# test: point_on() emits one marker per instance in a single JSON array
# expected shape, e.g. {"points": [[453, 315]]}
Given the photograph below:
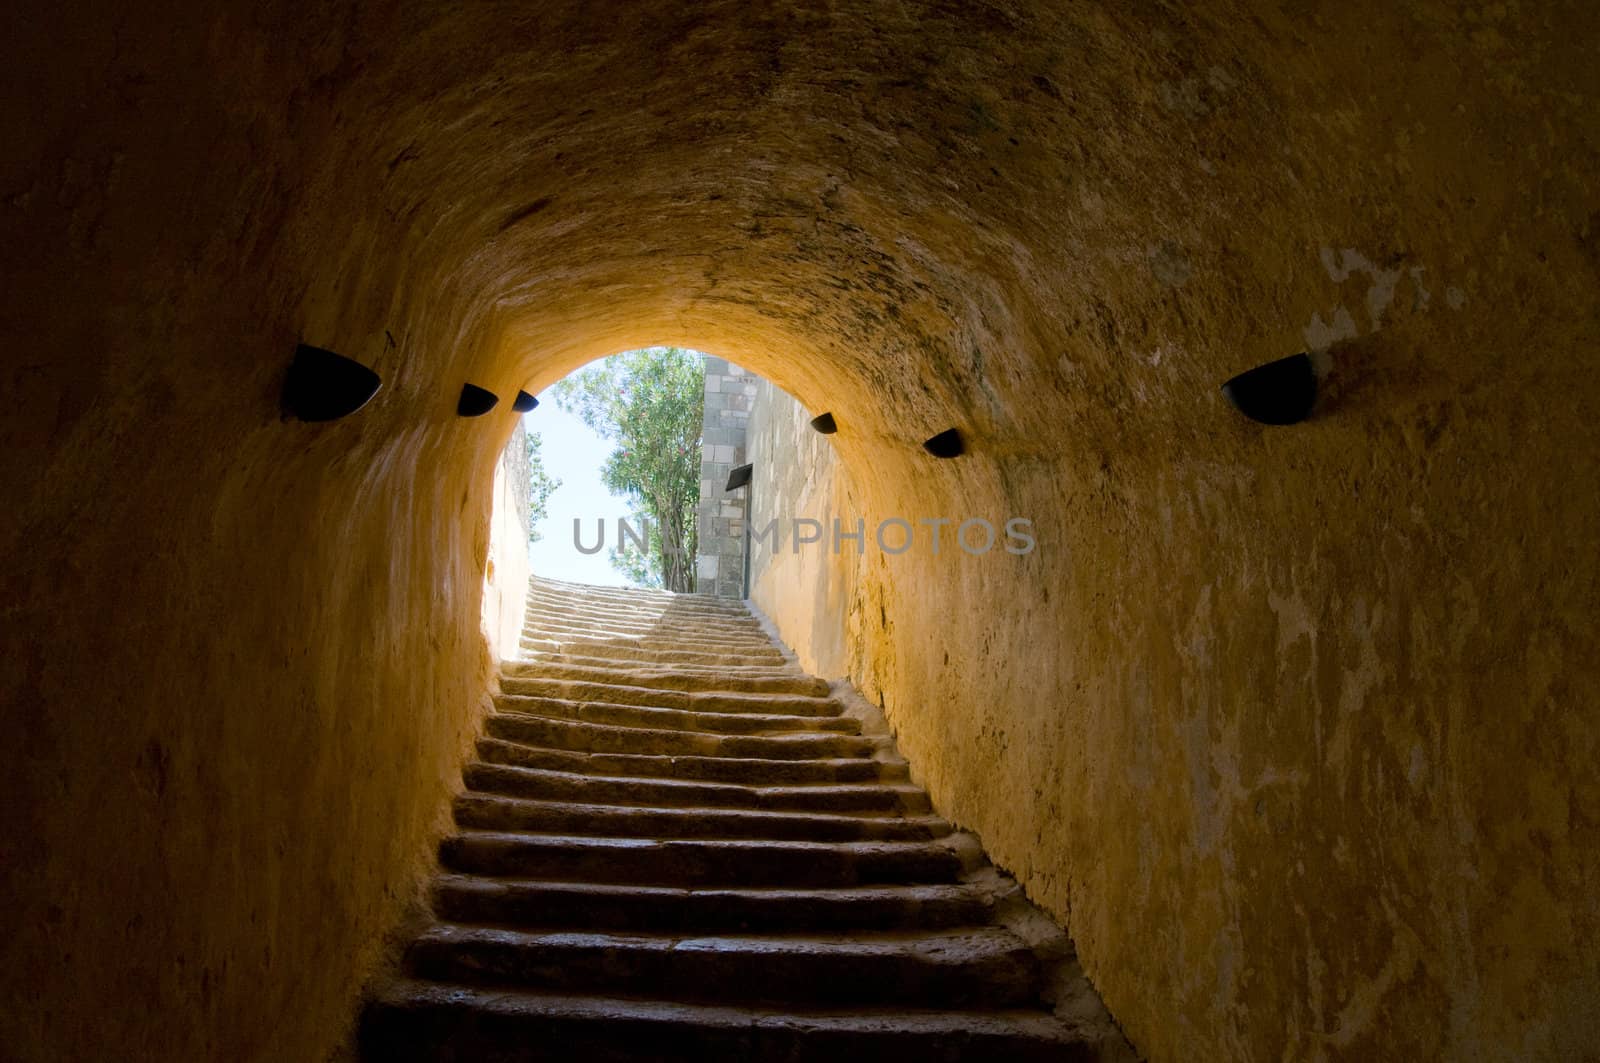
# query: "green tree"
{"points": [[645, 567], [651, 402], [540, 485]]}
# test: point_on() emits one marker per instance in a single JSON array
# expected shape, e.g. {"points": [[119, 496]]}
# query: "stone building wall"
{"points": [[806, 589], [507, 568], [719, 560]]}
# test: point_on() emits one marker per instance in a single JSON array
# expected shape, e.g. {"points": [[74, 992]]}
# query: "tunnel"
{"points": [[1294, 727]]}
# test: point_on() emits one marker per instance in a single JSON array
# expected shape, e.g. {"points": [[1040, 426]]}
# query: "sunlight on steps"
{"points": [[675, 845]]}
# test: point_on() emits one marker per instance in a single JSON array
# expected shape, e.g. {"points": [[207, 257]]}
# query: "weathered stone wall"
{"points": [[506, 573], [1295, 728], [806, 588], [719, 564]]}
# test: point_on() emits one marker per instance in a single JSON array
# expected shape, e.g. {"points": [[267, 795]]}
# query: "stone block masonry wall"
{"points": [[719, 561]]}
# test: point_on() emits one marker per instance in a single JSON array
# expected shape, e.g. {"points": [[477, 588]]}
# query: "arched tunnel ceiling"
{"points": [[844, 198]]}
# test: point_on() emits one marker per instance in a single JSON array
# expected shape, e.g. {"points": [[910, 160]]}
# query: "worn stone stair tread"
{"points": [[554, 605], [948, 945], [670, 621], [721, 682], [535, 650], [653, 716], [693, 768], [536, 659], [705, 608], [594, 736], [656, 639], [643, 623], [756, 701], [680, 611], [601, 737], [798, 797], [676, 845], [953, 966], [533, 903], [500, 812], [686, 636], [696, 861], [857, 848], [604, 629], [542, 662], [722, 642], [635, 598], [689, 700], [544, 589], [519, 1024], [535, 645], [781, 668]]}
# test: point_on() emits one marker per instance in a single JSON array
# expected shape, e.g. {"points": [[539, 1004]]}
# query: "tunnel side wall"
{"points": [[505, 582], [804, 587], [243, 654]]}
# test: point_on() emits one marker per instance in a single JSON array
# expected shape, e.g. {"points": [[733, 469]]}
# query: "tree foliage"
{"points": [[651, 402], [644, 567]]}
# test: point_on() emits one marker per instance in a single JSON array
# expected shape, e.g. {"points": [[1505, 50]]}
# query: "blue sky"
{"points": [[572, 454]]}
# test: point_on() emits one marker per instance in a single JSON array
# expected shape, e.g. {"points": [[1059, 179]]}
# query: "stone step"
{"points": [[615, 651], [664, 641], [665, 909], [690, 700], [540, 586], [676, 846], [673, 612], [497, 812], [634, 598], [552, 733], [743, 638], [677, 719], [543, 612], [699, 862], [544, 784], [600, 625], [709, 769], [723, 680], [986, 967], [531, 663], [557, 615], [687, 637], [422, 1022]]}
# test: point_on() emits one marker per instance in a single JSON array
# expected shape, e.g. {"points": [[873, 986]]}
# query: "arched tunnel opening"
{"points": [[1292, 727]]}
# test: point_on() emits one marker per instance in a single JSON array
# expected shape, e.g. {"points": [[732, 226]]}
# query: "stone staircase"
{"points": [[675, 845]]}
